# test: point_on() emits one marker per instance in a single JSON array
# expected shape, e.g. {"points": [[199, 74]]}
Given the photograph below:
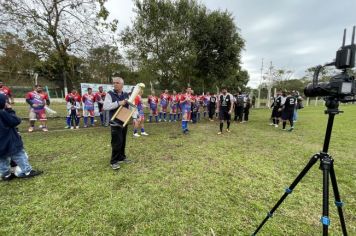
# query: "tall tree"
{"points": [[60, 25]]}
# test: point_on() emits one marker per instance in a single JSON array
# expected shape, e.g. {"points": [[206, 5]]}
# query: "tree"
{"points": [[58, 25], [181, 43], [14, 57]]}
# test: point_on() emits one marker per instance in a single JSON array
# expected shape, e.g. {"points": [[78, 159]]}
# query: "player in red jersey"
{"points": [[7, 92], [153, 103], [73, 100], [174, 101], [164, 102], [186, 102], [100, 97], [139, 116], [88, 101], [37, 100]]}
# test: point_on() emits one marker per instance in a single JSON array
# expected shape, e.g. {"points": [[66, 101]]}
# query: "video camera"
{"points": [[341, 86]]}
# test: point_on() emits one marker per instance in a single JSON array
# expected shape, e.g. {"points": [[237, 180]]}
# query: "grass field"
{"points": [[198, 184]]}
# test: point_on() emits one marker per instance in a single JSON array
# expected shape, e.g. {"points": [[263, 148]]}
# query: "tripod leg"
{"points": [[338, 201], [325, 166], [289, 190]]}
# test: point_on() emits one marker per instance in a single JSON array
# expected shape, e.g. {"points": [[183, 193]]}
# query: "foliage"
{"points": [[181, 43]]}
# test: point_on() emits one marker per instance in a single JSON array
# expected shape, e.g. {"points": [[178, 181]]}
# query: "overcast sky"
{"points": [[293, 34]]}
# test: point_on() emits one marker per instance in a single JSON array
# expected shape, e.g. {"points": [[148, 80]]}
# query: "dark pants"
{"points": [[238, 113], [246, 113], [118, 143], [211, 111]]}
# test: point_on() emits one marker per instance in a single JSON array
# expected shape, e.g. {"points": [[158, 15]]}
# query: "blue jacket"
{"points": [[10, 141]]}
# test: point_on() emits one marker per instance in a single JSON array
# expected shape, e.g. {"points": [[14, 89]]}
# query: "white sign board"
{"points": [[106, 87]]}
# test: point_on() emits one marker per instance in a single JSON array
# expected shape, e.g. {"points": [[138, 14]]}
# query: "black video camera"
{"points": [[341, 86]]}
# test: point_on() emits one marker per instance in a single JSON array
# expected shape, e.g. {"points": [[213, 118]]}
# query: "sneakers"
{"points": [[186, 131], [291, 129], [32, 173], [219, 133], [44, 129], [8, 177], [271, 124], [136, 135], [115, 166], [227, 130], [72, 127], [30, 129], [144, 134], [276, 126], [284, 129], [67, 127], [77, 127]]}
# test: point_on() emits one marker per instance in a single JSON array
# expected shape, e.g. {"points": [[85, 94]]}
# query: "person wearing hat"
{"points": [[11, 145], [225, 106]]}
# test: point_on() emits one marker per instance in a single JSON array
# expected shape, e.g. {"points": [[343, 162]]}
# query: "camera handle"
{"points": [[327, 166]]}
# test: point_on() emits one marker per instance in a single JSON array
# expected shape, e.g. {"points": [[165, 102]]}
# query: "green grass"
{"points": [[197, 184]]}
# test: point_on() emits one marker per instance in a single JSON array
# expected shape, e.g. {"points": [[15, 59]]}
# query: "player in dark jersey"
{"points": [[239, 107], [225, 106], [288, 111], [212, 106], [276, 109]]}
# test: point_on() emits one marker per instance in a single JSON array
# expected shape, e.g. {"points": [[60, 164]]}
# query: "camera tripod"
{"points": [[327, 166]]}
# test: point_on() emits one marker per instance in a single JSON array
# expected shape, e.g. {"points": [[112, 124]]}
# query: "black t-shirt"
{"points": [[225, 101], [277, 102], [212, 101], [289, 105]]}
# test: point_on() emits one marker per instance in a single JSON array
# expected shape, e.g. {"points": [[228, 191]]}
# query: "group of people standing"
{"points": [[285, 108]]}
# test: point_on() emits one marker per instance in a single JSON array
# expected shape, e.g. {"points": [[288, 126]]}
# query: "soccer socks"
{"points": [[274, 121], [102, 118], [68, 121], [178, 115], [291, 123], [221, 126], [92, 120], [284, 124], [184, 125], [164, 115], [77, 121], [228, 124], [174, 117], [142, 130], [156, 117], [85, 120], [170, 116], [204, 114], [135, 131], [150, 118], [160, 115], [198, 115]]}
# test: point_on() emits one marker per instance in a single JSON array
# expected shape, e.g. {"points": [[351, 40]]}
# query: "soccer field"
{"points": [[196, 184]]}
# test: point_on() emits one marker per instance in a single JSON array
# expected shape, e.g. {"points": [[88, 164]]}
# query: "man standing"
{"points": [[37, 100], [164, 101], [186, 101], [88, 107], [139, 116], [7, 92], [153, 103], [173, 100], [99, 97], [288, 111], [113, 100], [239, 107], [212, 107], [225, 106]]}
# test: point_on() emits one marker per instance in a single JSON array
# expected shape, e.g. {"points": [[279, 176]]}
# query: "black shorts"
{"points": [[276, 113], [224, 115], [287, 115]]}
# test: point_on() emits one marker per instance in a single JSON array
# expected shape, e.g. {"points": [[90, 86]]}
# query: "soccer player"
{"points": [[37, 100], [186, 102], [205, 99], [288, 111], [194, 108], [212, 107], [276, 110], [164, 101], [173, 101], [7, 92], [88, 107], [239, 107], [139, 116], [225, 106], [247, 106], [153, 103], [100, 97], [73, 98]]}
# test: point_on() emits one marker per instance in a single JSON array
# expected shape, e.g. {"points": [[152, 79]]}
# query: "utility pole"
{"points": [[259, 87], [269, 85]]}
